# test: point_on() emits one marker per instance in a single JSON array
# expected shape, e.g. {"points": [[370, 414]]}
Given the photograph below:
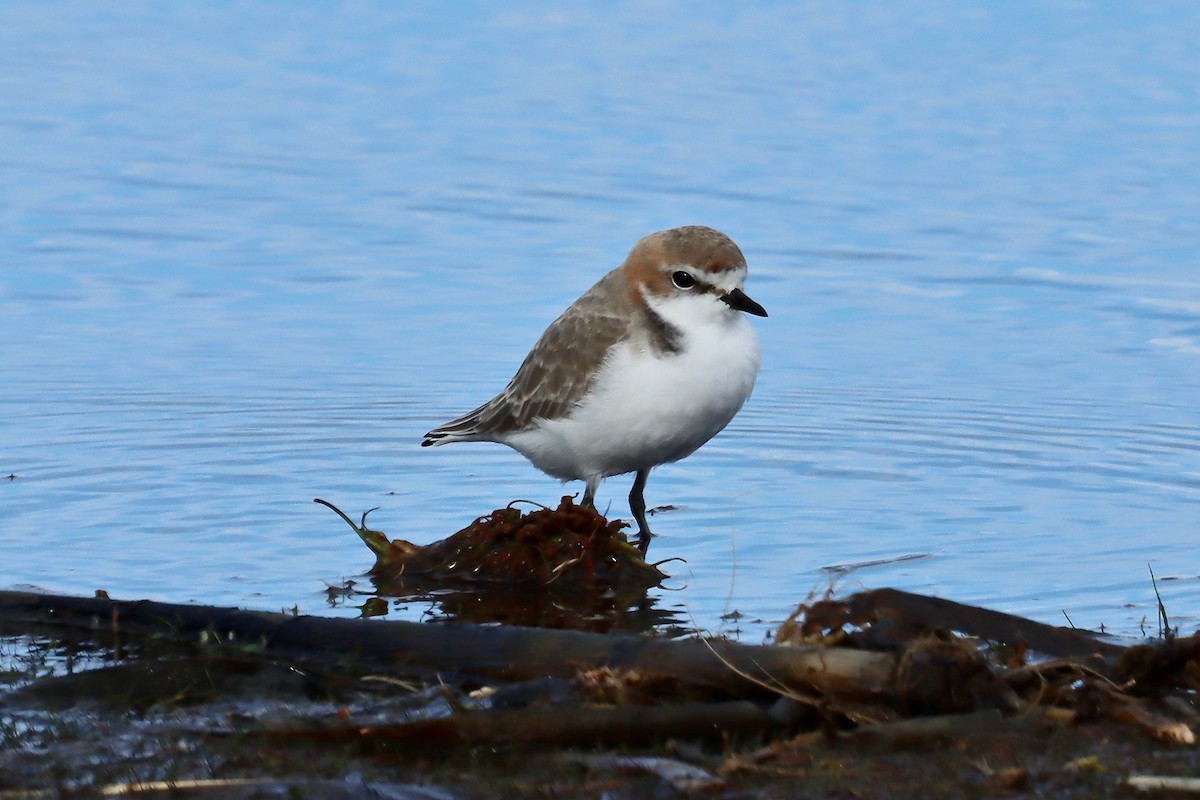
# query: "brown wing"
{"points": [[557, 372]]}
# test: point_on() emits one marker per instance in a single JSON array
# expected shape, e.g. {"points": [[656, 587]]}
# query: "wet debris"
{"points": [[567, 544], [955, 661], [552, 567], [977, 694]]}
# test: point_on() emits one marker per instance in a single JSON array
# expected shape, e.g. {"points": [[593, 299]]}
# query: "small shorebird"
{"points": [[641, 370]]}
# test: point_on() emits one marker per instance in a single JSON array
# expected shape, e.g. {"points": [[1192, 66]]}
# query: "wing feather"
{"points": [[556, 374]]}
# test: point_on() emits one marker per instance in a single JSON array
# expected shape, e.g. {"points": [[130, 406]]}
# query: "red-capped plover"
{"points": [[644, 368]]}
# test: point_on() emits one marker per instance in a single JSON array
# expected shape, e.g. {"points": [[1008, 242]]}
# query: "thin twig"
{"points": [[341, 513], [1164, 630]]}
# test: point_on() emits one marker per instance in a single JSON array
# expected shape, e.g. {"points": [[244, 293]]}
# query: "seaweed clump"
{"points": [[547, 558]]}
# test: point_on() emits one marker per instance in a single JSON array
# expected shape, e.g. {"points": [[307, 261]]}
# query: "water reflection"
{"points": [[600, 611]]}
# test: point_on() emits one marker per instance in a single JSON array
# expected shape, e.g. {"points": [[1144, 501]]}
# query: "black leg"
{"points": [[637, 504]]}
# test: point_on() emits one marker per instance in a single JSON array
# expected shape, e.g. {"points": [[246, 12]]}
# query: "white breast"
{"points": [[649, 408]]}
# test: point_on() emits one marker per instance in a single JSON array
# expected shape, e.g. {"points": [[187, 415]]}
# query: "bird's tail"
{"points": [[463, 429]]}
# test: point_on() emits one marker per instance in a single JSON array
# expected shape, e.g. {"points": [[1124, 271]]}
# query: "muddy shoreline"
{"points": [[880, 694]]}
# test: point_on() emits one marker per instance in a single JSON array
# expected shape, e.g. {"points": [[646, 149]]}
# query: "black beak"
{"points": [[737, 299]]}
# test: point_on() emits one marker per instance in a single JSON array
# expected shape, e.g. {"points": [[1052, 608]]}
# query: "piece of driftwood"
{"points": [[1163, 783], [490, 652], [903, 616], [944, 726], [1102, 700], [949, 677]]}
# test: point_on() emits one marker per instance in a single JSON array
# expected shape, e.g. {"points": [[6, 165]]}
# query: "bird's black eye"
{"points": [[683, 280]]}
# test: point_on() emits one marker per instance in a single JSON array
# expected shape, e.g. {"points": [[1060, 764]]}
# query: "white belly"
{"points": [[646, 409]]}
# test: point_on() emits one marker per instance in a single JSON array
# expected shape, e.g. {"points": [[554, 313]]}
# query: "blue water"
{"points": [[252, 251]]}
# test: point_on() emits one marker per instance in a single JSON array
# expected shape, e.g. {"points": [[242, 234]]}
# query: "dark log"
{"points": [[923, 612], [490, 652]]}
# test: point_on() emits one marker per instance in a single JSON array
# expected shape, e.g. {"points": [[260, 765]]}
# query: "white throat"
{"points": [[691, 313]]}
